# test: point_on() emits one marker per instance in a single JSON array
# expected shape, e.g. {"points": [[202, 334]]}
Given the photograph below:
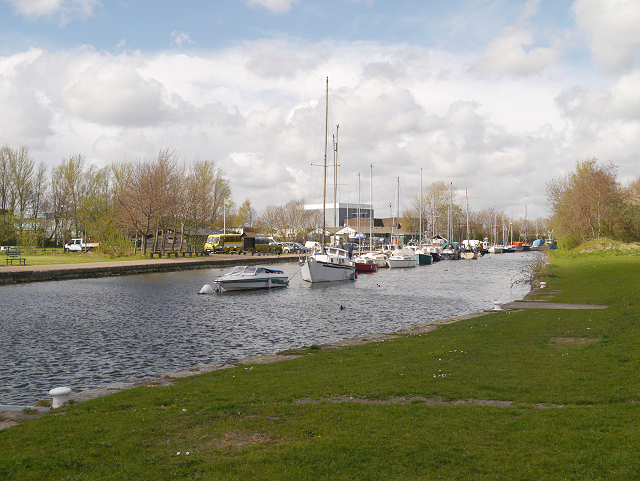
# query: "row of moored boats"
{"points": [[330, 263]]}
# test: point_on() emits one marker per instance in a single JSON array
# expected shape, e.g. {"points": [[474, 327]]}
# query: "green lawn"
{"points": [[37, 257], [530, 395]]}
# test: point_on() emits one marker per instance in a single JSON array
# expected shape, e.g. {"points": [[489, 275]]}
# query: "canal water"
{"points": [[90, 332]]}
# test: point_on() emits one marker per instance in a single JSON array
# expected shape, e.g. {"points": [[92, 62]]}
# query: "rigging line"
{"points": [[296, 273]]}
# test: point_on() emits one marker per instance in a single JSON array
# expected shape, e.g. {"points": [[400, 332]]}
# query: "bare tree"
{"points": [[20, 166], [66, 183], [221, 192], [245, 215], [434, 208]]}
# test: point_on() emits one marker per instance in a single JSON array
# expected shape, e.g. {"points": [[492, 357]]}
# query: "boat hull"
{"points": [[366, 267], [424, 259], [401, 263], [249, 284], [320, 270]]}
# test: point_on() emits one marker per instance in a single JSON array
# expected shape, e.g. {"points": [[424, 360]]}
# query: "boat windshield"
{"points": [[242, 270], [251, 271]]}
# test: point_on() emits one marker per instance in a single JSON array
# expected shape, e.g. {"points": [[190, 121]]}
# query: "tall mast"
{"points": [[358, 232], [371, 209], [398, 212], [449, 228], [466, 195], [324, 193], [335, 186], [420, 235]]}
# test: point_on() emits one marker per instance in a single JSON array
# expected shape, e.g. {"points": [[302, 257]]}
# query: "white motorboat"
{"points": [[380, 259], [331, 265], [402, 258], [252, 277]]}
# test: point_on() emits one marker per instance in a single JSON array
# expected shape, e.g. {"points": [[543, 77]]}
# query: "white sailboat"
{"points": [[468, 253], [330, 263]]}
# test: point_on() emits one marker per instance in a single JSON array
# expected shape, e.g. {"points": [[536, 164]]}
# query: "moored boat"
{"points": [[402, 258], [449, 251], [331, 265], [365, 264], [380, 259], [252, 277], [495, 249], [424, 258]]}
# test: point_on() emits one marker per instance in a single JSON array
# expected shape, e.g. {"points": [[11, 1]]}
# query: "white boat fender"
{"points": [[206, 289]]}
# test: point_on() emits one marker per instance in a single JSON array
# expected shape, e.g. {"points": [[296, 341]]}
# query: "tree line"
{"points": [[142, 198], [590, 203], [439, 210], [129, 200], [112, 205]]}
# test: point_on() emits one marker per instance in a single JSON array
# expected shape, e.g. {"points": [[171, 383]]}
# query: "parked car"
{"points": [[293, 247], [299, 247]]}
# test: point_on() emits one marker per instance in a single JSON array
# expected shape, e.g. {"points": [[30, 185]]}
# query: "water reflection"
{"points": [[84, 333]]}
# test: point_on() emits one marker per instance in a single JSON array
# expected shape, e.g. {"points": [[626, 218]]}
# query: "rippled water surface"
{"points": [[84, 333]]}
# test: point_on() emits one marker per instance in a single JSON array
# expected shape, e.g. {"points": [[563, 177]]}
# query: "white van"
{"points": [[311, 246]]}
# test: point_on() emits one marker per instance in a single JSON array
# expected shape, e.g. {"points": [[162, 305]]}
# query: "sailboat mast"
{"points": [[335, 187], [358, 232], [324, 193], [449, 228], [466, 195], [398, 213], [420, 235], [371, 209]]}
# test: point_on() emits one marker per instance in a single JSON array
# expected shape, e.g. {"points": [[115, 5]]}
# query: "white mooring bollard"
{"points": [[497, 305], [543, 285], [60, 396]]}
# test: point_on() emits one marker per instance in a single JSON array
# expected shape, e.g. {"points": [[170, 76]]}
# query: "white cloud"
{"points": [[62, 10], [268, 60], [180, 38], [276, 6], [510, 53], [619, 100], [265, 130], [612, 28]]}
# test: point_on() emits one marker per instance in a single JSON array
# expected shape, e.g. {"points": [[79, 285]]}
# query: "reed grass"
{"points": [[529, 395]]}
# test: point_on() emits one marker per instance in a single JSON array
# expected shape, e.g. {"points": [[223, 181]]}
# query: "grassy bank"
{"points": [[38, 257], [536, 394]]}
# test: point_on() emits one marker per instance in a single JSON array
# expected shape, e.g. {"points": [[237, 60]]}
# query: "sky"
{"points": [[497, 97]]}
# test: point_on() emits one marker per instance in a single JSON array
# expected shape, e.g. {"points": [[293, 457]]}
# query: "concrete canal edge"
{"points": [[60, 272]]}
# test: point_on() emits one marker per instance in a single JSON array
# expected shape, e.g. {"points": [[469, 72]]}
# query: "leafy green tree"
{"points": [[586, 203]]}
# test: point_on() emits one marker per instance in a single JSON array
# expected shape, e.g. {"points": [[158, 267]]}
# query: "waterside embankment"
{"points": [[58, 272]]}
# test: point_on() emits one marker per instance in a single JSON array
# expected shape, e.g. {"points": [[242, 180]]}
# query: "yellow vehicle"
{"points": [[223, 243]]}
